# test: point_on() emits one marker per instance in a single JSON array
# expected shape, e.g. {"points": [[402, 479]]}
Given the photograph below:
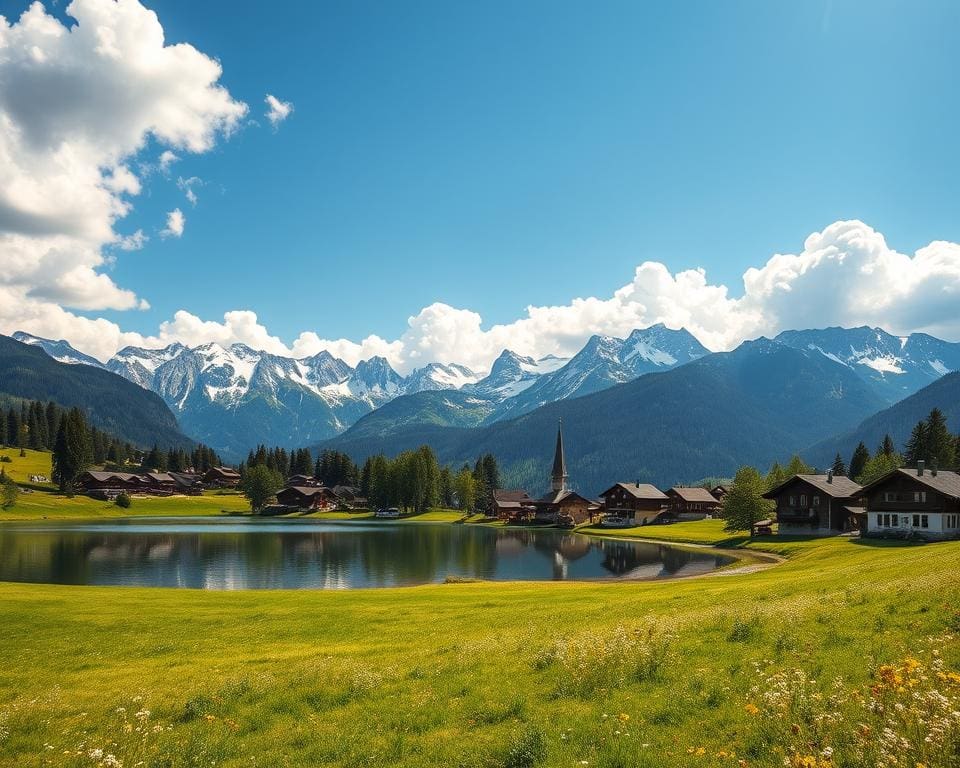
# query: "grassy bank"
{"points": [[40, 500], [471, 674]]}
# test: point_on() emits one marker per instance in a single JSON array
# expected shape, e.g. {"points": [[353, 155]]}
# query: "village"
{"points": [[921, 502]]}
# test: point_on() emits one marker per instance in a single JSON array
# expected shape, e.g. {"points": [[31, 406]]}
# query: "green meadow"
{"points": [[802, 663]]}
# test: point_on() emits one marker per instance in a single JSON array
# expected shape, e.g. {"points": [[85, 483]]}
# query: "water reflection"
{"points": [[258, 554]]}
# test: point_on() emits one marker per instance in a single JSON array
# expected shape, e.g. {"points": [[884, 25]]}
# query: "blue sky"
{"points": [[497, 155]]}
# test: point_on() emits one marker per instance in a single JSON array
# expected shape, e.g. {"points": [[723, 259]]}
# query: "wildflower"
{"points": [[751, 708]]}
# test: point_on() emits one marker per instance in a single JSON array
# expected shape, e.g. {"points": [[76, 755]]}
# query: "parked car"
{"points": [[388, 512]]}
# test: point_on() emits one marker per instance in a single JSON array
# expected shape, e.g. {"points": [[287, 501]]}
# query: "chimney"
{"points": [[920, 468], [933, 467], [829, 475]]}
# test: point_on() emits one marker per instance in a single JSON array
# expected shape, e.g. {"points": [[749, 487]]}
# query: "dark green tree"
{"points": [[72, 453], [839, 468], [858, 461]]}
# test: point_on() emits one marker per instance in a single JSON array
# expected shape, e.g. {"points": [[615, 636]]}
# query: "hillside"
{"points": [[753, 405], [110, 402], [897, 421]]}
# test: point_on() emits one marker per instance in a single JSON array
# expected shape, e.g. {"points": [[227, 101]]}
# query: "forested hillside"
{"points": [[758, 403], [897, 420], [110, 402]]}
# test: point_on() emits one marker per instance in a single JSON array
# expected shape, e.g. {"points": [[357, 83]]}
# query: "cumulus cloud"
{"points": [[77, 104], [277, 111], [845, 275], [175, 223]]}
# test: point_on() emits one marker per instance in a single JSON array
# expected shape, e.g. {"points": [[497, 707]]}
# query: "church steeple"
{"points": [[558, 480]]}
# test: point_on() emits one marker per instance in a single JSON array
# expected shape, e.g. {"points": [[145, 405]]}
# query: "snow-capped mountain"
{"points": [[139, 365], [511, 374], [439, 376], [894, 366], [60, 350], [603, 362]]}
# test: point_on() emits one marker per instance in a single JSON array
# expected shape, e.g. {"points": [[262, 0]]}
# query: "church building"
{"points": [[561, 505]]}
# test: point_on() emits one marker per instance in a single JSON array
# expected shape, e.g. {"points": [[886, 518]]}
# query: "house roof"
{"points": [[502, 496], [303, 490], [226, 471], [556, 497], [638, 491], [841, 487], [160, 477], [124, 476], [944, 482], [695, 494]]}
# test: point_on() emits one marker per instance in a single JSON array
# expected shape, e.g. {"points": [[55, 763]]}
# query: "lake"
{"points": [[225, 553]]}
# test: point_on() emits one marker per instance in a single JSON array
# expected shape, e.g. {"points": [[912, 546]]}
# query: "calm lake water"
{"points": [[223, 553]]}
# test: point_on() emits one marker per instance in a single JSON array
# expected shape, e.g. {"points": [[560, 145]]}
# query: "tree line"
{"points": [[76, 445], [415, 481]]}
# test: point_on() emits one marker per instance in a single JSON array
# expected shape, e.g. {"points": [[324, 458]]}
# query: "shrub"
{"points": [[608, 659], [123, 501], [529, 748]]}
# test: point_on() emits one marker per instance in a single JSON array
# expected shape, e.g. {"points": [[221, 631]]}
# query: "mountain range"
{"points": [[235, 397]]}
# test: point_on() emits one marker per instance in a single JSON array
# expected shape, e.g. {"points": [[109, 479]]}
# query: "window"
{"points": [[793, 501], [894, 521], [924, 521], [803, 499], [816, 501], [916, 521]]}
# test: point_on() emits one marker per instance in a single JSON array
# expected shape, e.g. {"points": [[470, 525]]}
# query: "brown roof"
{"points": [[555, 497], [696, 494], [311, 490], [639, 490], [226, 471], [945, 481], [841, 487], [502, 495]]}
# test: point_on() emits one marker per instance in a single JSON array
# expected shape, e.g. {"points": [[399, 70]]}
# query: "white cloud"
{"points": [[167, 158], [845, 275], [133, 242], [77, 105], [187, 185], [277, 111], [175, 223]]}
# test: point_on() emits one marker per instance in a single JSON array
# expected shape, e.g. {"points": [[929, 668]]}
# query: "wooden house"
{"points": [[512, 505], [302, 481], [640, 502], [221, 477], [187, 483], [307, 497], [817, 505], [917, 502], [692, 503]]}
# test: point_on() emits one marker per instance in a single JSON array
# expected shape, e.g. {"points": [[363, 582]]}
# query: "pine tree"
{"points": [[839, 468], [941, 446], [878, 466], [887, 447], [917, 445], [72, 453], [858, 461]]}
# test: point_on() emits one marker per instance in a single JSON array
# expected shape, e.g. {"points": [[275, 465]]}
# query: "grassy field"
{"points": [[801, 664], [478, 674]]}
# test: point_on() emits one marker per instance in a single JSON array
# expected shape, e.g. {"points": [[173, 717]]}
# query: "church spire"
{"points": [[558, 480]]}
